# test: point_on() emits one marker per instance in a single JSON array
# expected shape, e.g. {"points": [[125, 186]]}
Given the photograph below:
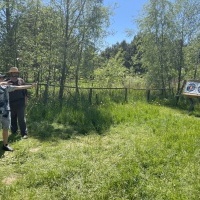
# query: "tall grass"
{"points": [[108, 151]]}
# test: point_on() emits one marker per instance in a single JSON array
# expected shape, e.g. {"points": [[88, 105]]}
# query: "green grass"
{"points": [[147, 152]]}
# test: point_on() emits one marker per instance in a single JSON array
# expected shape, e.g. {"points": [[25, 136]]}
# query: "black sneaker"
{"points": [[7, 148]]}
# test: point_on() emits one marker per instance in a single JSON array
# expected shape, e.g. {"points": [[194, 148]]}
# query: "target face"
{"points": [[192, 88]]}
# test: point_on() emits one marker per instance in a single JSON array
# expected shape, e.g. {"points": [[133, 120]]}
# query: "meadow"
{"points": [[136, 151]]}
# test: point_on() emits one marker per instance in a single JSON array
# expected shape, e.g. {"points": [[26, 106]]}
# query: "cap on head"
{"points": [[13, 70]]}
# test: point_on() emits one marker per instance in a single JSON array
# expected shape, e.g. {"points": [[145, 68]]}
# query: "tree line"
{"points": [[167, 48], [58, 40]]}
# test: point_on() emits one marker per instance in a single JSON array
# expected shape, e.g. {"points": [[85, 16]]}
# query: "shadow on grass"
{"points": [[1, 151], [12, 138], [49, 131], [50, 122], [186, 110], [184, 105]]}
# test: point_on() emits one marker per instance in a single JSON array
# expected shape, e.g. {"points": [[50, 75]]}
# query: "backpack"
{"points": [[3, 101]]}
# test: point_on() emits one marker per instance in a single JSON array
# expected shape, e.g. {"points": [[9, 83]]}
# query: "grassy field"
{"points": [[149, 152]]}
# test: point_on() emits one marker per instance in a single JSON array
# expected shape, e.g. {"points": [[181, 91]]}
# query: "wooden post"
{"points": [[192, 103], [126, 94], [90, 96], [148, 95], [46, 93], [97, 99]]}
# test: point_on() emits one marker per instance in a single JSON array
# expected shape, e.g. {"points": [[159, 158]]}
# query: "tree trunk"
{"points": [[180, 66], [65, 47], [197, 64]]}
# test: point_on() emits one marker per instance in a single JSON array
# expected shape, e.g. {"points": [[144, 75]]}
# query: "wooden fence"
{"points": [[96, 94]]}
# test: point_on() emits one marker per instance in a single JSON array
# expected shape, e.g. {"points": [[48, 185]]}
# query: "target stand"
{"points": [[191, 90]]}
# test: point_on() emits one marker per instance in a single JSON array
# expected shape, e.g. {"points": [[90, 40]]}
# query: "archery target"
{"points": [[192, 87]]}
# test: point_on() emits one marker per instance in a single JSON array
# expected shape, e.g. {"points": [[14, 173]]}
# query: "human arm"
{"points": [[4, 83], [22, 87]]}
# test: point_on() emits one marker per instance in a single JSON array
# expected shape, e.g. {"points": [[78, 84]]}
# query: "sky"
{"points": [[123, 19]]}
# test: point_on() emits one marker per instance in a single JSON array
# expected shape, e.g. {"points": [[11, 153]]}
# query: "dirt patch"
{"points": [[9, 180], [34, 149]]}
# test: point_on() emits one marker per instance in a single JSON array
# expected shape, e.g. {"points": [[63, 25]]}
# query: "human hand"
{"points": [[34, 84]]}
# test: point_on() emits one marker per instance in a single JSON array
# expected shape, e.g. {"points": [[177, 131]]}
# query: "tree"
{"points": [[113, 72], [9, 23], [192, 61], [186, 27], [48, 41], [167, 29], [81, 22], [155, 41]]}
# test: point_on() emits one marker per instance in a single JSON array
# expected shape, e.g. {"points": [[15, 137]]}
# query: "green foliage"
{"points": [[99, 114], [86, 119], [82, 116], [60, 41], [113, 73], [50, 41], [192, 54], [167, 29]]}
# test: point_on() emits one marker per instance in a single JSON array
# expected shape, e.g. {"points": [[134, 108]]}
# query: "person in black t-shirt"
{"points": [[5, 89], [17, 101]]}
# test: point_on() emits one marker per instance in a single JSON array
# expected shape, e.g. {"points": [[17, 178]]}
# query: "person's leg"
{"points": [[14, 126], [6, 126], [21, 120], [5, 136], [6, 147]]}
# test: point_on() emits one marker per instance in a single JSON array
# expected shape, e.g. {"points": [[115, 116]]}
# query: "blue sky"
{"points": [[123, 19]]}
